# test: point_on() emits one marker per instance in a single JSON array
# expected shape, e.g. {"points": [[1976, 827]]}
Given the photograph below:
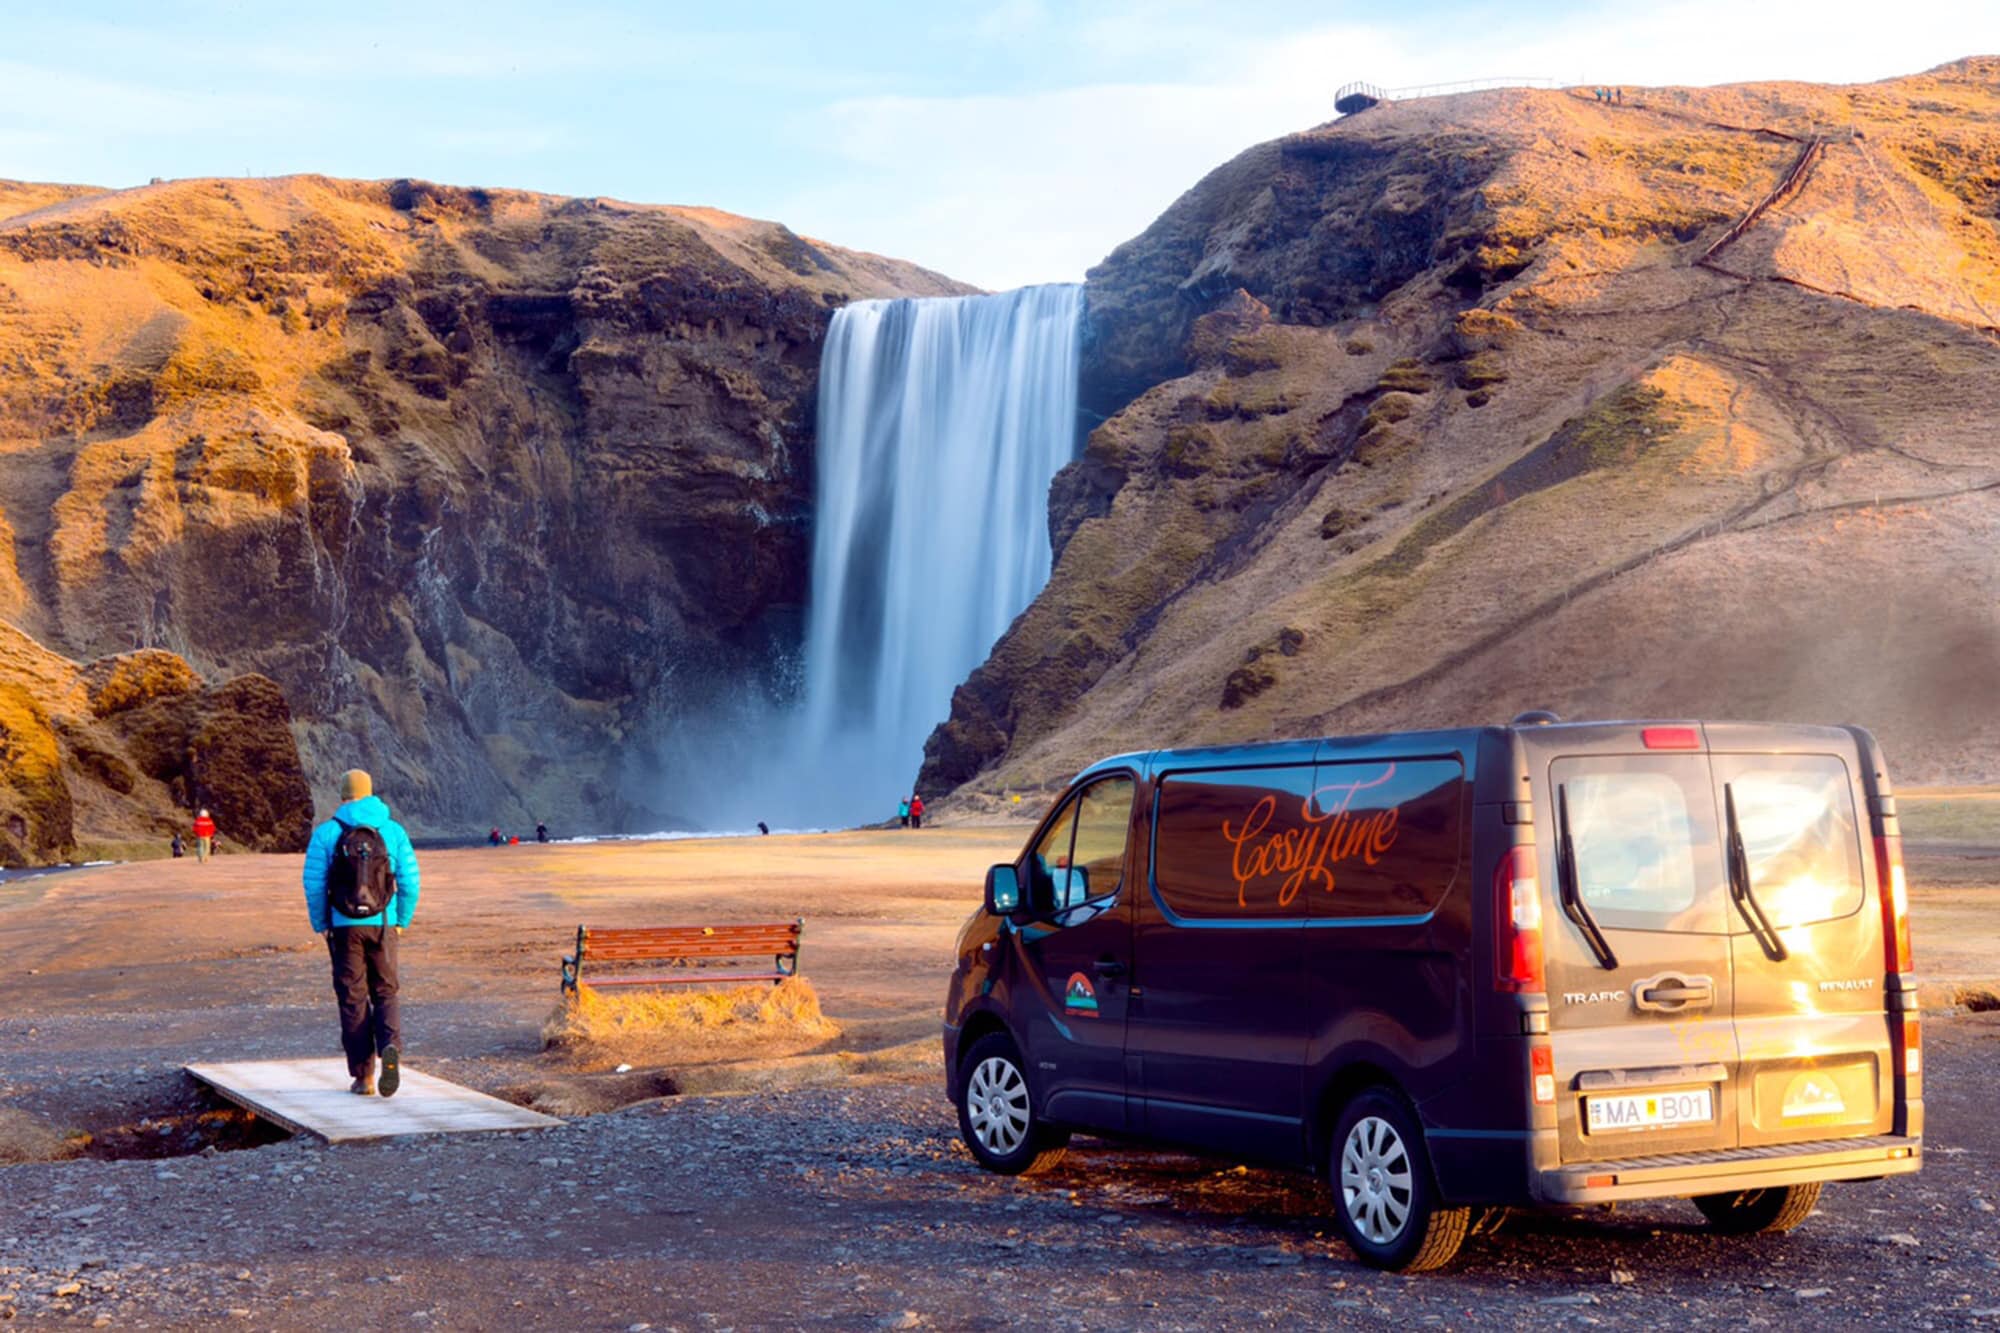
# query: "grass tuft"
{"points": [[656, 1027]]}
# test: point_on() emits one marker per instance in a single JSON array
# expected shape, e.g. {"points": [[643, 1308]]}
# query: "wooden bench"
{"points": [[691, 948]]}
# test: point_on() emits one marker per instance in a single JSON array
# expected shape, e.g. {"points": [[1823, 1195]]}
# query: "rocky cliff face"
{"points": [[109, 760], [1455, 408], [492, 485]]}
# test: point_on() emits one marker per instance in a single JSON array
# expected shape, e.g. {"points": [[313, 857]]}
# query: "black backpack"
{"points": [[358, 882]]}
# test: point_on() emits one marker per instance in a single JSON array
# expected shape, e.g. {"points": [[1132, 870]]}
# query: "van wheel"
{"points": [[1748, 1212], [1384, 1200], [996, 1114]]}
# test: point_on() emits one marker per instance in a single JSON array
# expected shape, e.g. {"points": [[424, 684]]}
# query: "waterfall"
{"points": [[941, 424]]}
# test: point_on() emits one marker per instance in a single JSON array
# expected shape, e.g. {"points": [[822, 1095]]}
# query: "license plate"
{"points": [[1650, 1110]]}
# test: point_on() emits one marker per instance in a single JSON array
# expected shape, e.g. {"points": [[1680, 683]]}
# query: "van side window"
{"points": [[1097, 864], [1225, 840], [1800, 835], [1393, 839], [1336, 841], [1048, 864]]}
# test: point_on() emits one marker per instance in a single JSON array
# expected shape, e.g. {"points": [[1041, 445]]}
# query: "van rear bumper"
{"points": [[1682, 1175]]}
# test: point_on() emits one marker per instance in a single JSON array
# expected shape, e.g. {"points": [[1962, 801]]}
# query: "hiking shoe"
{"points": [[392, 1075], [362, 1087]]}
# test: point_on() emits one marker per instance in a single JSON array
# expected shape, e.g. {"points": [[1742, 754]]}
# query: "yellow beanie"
{"points": [[356, 784]]}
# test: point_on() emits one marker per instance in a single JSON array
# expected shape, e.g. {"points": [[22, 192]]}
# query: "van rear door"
{"points": [[1637, 944], [1811, 1022]]}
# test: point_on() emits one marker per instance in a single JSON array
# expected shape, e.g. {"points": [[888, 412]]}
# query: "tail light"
{"points": [[1895, 903], [1913, 1047], [1542, 1064], [1517, 924]]}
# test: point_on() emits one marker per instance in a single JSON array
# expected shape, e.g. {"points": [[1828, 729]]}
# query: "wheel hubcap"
{"points": [[996, 1102], [1375, 1180]]}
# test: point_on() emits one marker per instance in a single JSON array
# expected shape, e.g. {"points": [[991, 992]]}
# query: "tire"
{"points": [[996, 1111], [1385, 1201], [1754, 1212]]}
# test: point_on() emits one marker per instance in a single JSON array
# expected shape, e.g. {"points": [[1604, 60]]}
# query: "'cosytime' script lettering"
{"points": [[1329, 834]]}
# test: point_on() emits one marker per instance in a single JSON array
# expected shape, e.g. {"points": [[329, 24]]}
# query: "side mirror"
{"points": [[1003, 891]]}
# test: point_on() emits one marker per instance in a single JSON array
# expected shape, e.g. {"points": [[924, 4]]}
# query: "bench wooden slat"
{"points": [[712, 928], [683, 951], [758, 941], [689, 937], [686, 978], [692, 945]]}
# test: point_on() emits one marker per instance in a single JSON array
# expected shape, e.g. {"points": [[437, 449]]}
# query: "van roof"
{"points": [[1775, 737]]}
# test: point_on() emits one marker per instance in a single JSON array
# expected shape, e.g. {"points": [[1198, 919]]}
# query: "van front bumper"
{"points": [[1684, 1175]]}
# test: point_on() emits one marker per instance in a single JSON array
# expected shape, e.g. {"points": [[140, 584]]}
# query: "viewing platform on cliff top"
{"points": [[1359, 96]]}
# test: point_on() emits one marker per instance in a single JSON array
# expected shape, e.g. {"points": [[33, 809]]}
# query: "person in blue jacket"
{"points": [[363, 949]]}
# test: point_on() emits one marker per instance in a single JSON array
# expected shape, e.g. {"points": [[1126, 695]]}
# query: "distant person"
{"points": [[903, 811], [179, 847], [204, 836], [763, 828], [361, 891], [916, 812], [494, 839], [1620, 94], [541, 833]]}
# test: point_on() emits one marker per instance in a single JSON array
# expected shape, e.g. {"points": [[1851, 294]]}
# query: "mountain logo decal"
{"points": [[1812, 1095], [1079, 997]]}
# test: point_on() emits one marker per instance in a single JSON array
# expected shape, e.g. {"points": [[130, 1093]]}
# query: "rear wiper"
{"points": [[1572, 901], [1739, 884]]}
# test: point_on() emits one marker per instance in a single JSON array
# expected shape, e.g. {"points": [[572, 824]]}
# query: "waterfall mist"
{"points": [[941, 424]]}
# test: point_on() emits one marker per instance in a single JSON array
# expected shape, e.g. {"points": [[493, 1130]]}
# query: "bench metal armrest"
{"points": [[572, 964]]}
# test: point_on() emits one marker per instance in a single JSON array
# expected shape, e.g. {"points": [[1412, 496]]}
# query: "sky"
{"points": [[1003, 142]]}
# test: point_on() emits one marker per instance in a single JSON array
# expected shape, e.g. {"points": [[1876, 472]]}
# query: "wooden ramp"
{"points": [[311, 1097]]}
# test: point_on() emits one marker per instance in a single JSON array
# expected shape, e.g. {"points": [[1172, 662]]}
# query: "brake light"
{"points": [[1671, 738], [1913, 1047], [1542, 1064], [1895, 903], [1517, 924]]}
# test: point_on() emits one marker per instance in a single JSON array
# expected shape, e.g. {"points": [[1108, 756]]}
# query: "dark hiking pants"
{"points": [[364, 982]]}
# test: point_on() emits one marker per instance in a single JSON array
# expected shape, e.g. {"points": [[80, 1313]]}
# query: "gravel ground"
{"points": [[855, 1207]]}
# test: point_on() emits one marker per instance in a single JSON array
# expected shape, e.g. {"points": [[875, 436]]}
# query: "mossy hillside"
{"points": [[1700, 424], [1631, 423], [35, 807]]}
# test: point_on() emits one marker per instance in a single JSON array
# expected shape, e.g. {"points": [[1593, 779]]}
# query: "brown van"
{"points": [[1458, 971]]}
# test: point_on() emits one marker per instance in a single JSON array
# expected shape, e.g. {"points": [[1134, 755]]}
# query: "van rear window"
{"points": [[1634, 845], [1375, 838], [1800, 834], [1646, 852]]}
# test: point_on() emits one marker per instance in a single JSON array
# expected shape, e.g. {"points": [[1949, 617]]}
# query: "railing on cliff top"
{"points": [[1359, 96]]}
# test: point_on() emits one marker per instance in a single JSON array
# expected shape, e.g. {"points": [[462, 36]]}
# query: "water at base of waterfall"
{"points": [[941, 423]]}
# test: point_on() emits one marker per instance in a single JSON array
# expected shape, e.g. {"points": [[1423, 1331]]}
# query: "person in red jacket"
{"points": [[916, 812], [204, 836]]}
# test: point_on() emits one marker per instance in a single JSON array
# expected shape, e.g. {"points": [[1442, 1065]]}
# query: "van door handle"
{"points": [[1108, 968], [1662, 994]]}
